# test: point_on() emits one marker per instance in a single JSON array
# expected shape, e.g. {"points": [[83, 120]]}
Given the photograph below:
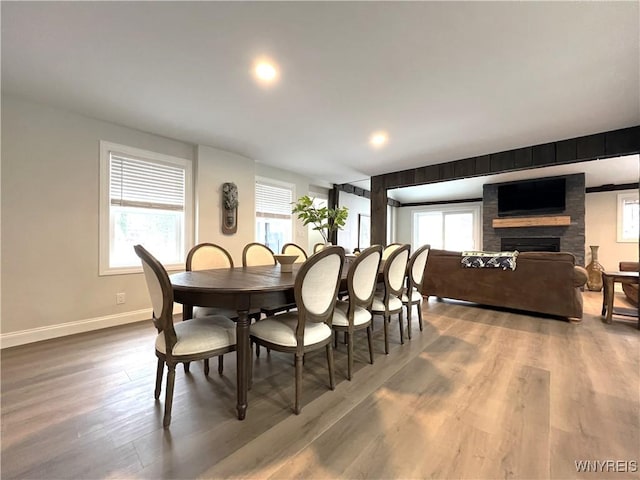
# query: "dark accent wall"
{"points": [[614, 143], [571, 237]]}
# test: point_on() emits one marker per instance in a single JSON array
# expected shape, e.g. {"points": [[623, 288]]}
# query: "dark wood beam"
{"points": [[625, 141], [613, 188]]}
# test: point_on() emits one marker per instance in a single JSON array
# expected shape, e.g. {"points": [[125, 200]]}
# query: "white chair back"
{"points": [[397, 269], [255, 254], [389, 249], [418, 262], [161, 294], [365, 274], [293, 249], [318, 286], [205, 256]]}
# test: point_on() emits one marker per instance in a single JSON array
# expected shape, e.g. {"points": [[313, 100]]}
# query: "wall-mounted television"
{"points": [[532, 197]]}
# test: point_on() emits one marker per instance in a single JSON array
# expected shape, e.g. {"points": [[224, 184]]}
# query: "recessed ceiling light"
{"points": [[378, 139], [265, 71]]}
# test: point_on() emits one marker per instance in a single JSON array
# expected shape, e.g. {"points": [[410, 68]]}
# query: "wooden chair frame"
{"points": [[297, 248], [386, 251], [411, 284], [355, 301], [193, 252], [389, 291], [305, 316], [251, 245], [164, 324], [210, 310]]}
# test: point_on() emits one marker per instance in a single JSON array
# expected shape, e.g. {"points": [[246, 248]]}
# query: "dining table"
{"points": [[242, 289]]}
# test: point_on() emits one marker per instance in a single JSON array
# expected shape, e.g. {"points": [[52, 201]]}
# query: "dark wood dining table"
{"points": [[241, 289]]}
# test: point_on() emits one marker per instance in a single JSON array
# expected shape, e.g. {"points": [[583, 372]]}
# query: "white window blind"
{"points": [[139, 183], [273, 201], [145, 198]]}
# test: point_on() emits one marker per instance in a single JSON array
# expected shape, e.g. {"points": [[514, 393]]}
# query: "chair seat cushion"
{"points": [[378, 303], [200, 335], [281, 330], [360, 317], [415, 296]]}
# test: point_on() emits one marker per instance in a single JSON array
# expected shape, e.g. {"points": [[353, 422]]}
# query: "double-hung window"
{"points": [[274, 221], [450, 227], [145, 198]]}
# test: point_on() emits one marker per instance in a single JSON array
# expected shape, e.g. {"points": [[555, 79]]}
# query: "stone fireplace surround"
{"points": [[571, 237], [530, 244]]}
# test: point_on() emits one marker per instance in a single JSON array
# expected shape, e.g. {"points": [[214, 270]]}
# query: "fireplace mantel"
{"points": [[517, 222]]}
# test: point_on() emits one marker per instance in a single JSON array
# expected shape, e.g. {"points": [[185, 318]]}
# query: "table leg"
{"points": [[243, 356], [187, 312], [609, 294]]}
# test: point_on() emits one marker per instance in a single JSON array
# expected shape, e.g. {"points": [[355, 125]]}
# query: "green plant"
{"points": [[325, 220]]}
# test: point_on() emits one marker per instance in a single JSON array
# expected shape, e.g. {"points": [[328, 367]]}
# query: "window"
{"points": [[628, 217], [145, 198], [274, 221], [448, 227]]}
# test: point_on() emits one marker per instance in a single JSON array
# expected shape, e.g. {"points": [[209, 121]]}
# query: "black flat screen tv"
{"points": [[532, 197]]}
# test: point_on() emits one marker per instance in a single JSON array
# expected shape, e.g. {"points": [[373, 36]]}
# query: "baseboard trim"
{"points": [[22, 337]]}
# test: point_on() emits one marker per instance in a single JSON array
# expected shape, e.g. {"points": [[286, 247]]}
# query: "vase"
{"points": [[594, 271]]}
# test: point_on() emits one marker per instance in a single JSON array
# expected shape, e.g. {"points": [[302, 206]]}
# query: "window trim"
{"points": [[104, 230], [474, 207], [619, 218]]}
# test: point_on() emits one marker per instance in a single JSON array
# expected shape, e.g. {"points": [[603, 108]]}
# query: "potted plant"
{"points": [[325, 220]]}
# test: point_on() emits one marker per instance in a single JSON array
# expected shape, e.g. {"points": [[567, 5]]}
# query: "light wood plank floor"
{"points": [[480, 393]]}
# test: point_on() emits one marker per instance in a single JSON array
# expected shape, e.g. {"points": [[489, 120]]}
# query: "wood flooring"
{"points": [[480, 393]]}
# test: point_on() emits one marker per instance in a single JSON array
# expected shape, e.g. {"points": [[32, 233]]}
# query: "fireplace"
{"points": [[572, 236], [530, 244]]}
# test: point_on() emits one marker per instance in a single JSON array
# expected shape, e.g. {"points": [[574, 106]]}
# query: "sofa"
{"points": [[630, 291], [543, 282]]}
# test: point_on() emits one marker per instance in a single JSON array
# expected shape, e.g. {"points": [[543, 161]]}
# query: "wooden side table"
{"points": [[608, 281]]}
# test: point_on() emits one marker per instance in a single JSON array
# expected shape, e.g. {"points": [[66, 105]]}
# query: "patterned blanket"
{"points": [[503, 260]]}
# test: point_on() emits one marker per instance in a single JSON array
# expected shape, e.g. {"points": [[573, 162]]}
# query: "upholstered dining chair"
{"points": [[196, 339], [412, 294], [390, 249], [308, 328], [256, 254], [287, 249], [389, 302], [205, 256], [319, 246], [294, 249], [353, 314]]}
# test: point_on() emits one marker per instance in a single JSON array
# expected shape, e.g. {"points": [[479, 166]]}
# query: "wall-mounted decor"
{"points": [[229, 208]]}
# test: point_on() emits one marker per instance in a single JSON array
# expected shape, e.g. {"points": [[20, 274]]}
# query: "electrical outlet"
{"points": [[120, 298]]}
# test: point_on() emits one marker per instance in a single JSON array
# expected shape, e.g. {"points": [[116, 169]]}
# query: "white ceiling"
{"points": [[446, 80]]}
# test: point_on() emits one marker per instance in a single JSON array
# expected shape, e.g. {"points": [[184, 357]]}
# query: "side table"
{"points": [[608, 281]]}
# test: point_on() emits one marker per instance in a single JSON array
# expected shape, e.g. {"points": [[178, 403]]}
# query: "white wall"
{"points": [[50, 201], [50, 211], [601, 229], [348, 237], [403, 225], [215, 167]]}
